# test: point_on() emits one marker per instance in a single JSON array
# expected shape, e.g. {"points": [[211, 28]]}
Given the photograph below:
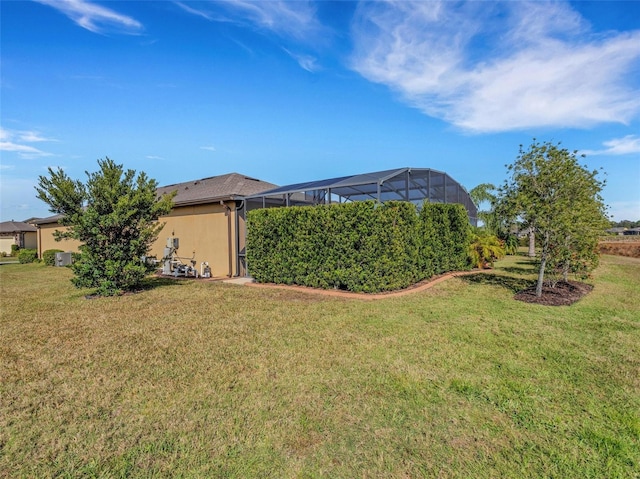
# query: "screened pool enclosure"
{"points": [[404, 184]]}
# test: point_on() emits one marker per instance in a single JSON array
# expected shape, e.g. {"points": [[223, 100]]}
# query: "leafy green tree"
{"points": [[560, 201], [114, 216]]}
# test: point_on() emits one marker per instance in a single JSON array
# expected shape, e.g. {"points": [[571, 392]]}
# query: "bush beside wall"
{"points": [[49, 256], [360, 246], [27, 255]]}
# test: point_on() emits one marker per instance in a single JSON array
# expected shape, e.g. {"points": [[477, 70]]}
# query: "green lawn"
{"points": [[195, 379]]}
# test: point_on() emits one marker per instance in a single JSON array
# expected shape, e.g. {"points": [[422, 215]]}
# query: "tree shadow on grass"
{"points": [[509, 282], [518, 270], [153, 282]]}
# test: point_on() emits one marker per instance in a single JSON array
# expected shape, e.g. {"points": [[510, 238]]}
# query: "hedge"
{"points": [[49, 256], [27, 256], [359, 246]]}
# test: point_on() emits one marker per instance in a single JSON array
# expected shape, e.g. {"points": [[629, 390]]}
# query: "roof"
{"points": [[400, 184], [340, 182], [13, 227], [216, 188], [206, 190]]}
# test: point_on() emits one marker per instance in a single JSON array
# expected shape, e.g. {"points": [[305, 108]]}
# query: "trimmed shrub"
{"points": [[27, 256], [49, 256], [359, 246], [15, 249]]}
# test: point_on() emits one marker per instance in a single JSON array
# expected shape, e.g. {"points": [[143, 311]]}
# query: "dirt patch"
{"points": [[563, 294], [620, 248]]}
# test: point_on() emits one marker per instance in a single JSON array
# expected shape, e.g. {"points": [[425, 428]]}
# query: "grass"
{"points": [[195, 379]]}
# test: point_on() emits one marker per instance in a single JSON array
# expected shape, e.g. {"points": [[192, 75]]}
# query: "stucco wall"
{"points": [[31, 240], [203, 230], [47, 241]]}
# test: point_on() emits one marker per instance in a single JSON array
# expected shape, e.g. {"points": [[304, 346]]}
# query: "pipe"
{"points": [[229, 243], [238, 209]]}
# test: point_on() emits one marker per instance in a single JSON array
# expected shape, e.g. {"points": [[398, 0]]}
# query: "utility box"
{"points": [[173, 243], [63, 259]]}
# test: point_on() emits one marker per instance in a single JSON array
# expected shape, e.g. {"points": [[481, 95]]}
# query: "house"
{"points": [[631, 232], [17, 233], [207, 219]]}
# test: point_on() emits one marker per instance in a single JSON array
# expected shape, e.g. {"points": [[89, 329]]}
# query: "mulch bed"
{"points": [[564, 294]]}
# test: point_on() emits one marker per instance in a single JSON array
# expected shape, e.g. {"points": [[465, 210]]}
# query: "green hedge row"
{"points": [[360, 246], [27, 256]]}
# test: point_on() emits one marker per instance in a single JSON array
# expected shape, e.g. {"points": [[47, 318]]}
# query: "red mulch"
{"points": [[564, 294]]}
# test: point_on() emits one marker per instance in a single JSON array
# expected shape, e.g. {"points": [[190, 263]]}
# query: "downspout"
{"points": [[39, 240], [238, 208], [229, 243]]}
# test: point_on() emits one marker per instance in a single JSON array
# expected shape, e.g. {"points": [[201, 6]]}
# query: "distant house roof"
{"points": [[216, 188], [13, 227], [47, 220]]}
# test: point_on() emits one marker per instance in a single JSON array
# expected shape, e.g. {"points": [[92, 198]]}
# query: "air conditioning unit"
{"points": [[63, 259]]}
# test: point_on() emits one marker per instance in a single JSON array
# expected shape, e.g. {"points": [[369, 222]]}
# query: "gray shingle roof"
{"points": [[224, 187], [13, 227]]}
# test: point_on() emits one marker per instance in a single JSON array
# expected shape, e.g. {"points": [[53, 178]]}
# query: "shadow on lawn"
{"points": [[509, 282], [153, 282], [519, 270]]}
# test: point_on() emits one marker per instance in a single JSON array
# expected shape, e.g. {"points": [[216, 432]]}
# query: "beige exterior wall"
{"points": [[45, 240], [31, 240], [203, 232]]}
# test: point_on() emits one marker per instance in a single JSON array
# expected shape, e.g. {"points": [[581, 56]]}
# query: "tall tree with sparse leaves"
{"points": [[560, 200], [114, 215]]}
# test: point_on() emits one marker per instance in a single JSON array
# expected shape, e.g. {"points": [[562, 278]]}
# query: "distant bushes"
{"points": [[27, 255], [359, 246]]}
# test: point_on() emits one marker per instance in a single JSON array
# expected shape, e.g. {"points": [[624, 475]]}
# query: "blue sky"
{"points": [[295, 91]]}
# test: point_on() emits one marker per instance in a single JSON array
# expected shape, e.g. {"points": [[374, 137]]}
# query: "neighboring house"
{"points": [[631, 232], [207, 218], [46, 241], [17, 233], [616, 231]]}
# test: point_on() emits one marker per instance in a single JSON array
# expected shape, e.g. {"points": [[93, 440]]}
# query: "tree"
{"points": [[494, 221], [560, 201], [114, 216], [484, 193]]}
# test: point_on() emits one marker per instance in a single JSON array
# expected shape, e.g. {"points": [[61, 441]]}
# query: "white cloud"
{"points": [[627, 145], [14, 141], [295, 19], [195, 11], [306, 62], [208, 148], [94, 17], [153, 157], [488, 67], [285, 18]]}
